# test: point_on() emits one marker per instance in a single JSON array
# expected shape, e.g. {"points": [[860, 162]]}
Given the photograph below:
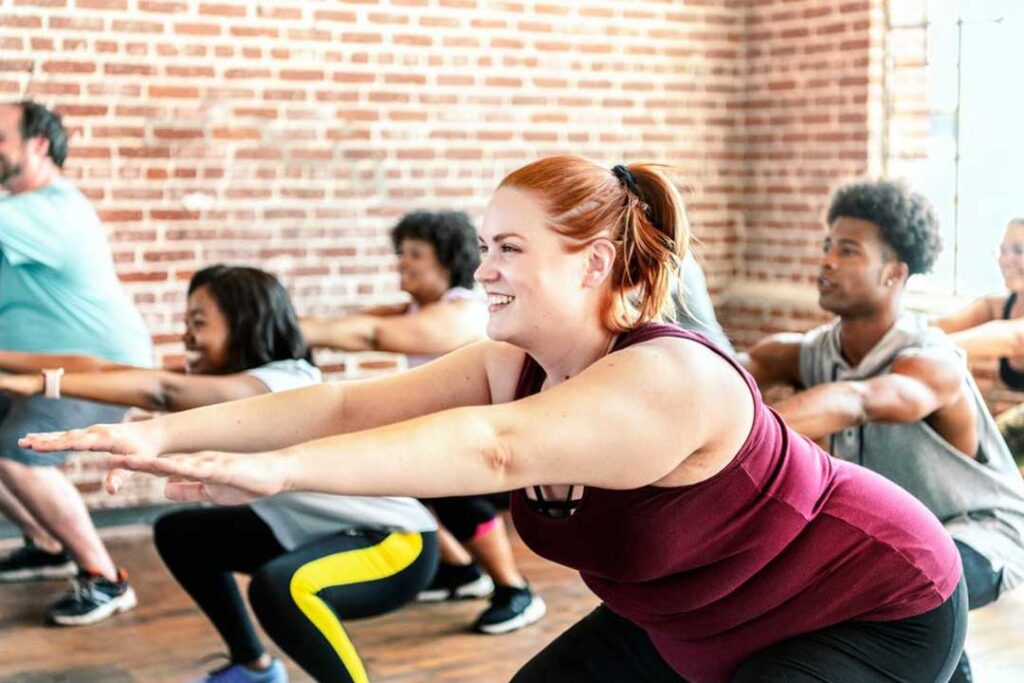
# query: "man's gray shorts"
{"points": [[19, 416]]}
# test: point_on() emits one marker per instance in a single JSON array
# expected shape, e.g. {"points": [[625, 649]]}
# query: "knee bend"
{"points": [[174, 537], [269, 595]]}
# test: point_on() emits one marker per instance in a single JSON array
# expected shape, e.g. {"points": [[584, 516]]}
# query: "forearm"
{"points": [[351, 333], [266, 422], [991, 340], [139, 388], [456, 452], [20, 362], [824, 409]]}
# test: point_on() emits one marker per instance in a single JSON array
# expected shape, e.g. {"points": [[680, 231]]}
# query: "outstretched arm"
{"points": [[978, 312], [978, 330], [25, 363], [995, 339], [570, 433], [774, 360], [282, 419], [917, 386], [142, 388], [435, 329]]}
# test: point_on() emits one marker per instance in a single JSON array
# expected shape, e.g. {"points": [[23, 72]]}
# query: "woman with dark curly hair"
{"points": [[437, 256], [992, 328], [436, 259]]}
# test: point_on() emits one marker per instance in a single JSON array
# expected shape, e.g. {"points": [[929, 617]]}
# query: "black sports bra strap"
{"points": [[1008, 306]]}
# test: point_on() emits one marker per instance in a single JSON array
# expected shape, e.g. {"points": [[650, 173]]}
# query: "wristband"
{"points": [[51, 382]]}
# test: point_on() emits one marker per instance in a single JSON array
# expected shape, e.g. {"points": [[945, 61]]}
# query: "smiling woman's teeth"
{"points": [[499, 299], [192, 357]]}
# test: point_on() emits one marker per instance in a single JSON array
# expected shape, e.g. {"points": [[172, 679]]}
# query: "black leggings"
{"points": [[463, 516], [605, 648], [983, 585], [300, 596]]}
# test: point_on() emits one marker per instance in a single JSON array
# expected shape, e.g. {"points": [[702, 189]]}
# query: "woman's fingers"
{"points": [[186, 491], [225, 478], [169, 466], [115, 479], [73, 440]]}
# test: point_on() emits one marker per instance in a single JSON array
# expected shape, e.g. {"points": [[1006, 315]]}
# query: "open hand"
{"points": [[225, 478], [133, 438]]}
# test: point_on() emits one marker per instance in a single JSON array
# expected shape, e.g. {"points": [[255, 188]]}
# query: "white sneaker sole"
{"points": [[534, 613], [63, 571], [122, 603], [480, 588]]}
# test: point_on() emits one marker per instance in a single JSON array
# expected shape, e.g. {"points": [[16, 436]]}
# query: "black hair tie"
{"points": [[626, 179]]}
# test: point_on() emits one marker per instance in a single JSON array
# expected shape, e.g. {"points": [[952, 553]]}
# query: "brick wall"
{"points": [[292, 134], [812, 117]]}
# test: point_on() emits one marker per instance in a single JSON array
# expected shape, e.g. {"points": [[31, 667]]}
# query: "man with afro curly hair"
{"points": [[884, 390]]}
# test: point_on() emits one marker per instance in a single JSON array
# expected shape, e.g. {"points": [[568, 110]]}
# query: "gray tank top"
{"points": [[980, 501]]}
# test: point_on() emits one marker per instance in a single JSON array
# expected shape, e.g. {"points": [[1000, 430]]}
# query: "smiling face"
{"points": [[1011, 256], [859, 271], [207, 334], [534, 283], [420, 272]]}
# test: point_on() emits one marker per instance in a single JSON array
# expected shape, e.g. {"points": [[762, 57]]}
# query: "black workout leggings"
{"points": [[298, 596], [983, 585], [605, 648], [463, 515]]}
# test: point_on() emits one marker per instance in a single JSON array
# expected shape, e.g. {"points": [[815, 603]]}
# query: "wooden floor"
{"points": [[165, 638]]}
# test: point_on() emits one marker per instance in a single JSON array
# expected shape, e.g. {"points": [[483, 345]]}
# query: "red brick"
{"points": [[197, 29], [222, 10], [162, 7], [118, 5]]}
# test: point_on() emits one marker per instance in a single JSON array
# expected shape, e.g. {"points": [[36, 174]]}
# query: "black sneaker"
{"points": [[457, 582], [29, 563], [93, 598], [511, 609]]}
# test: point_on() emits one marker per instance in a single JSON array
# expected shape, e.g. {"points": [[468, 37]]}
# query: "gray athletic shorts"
{"points": [[20, 415]]}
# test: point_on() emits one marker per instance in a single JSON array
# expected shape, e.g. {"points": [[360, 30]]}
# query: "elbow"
{"points": [[497, 456], [159, 397], [159, 400]]}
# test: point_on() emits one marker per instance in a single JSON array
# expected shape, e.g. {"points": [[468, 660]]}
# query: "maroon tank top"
{"points": [[783, 541]]}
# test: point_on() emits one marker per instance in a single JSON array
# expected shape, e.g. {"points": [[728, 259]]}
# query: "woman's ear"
{"points": [[600, 261]]}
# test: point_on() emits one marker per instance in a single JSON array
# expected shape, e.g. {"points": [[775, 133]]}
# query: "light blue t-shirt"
{"points": [[58, 289]]}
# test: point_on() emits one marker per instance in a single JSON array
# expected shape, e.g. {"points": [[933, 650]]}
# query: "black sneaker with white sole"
{"points": [[93, 598], [457, 582], [29, 563], [511, 609]]}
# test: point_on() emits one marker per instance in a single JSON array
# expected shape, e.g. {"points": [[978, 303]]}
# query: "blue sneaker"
{"points": [[236, 673]]}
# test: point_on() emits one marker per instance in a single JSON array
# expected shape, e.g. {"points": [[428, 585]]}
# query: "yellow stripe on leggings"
{"points": [[387, 558]]}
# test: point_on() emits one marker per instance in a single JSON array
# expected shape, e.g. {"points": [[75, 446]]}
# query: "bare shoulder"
{"points": [[504, 363], [681, 370]]}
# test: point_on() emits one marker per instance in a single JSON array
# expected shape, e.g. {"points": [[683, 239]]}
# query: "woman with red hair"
{"points": [[723, 545]]}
